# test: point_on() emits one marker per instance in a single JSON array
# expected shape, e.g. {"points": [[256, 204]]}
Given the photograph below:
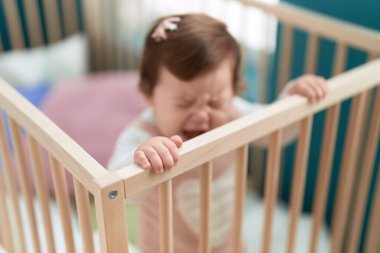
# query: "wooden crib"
{"points": [[25, 131]]}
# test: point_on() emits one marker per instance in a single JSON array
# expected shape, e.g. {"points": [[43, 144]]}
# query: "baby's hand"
{"points": [[158, 153], [314, 88]]}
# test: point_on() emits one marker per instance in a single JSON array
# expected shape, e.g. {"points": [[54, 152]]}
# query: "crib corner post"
{"points": [[111, 215]]}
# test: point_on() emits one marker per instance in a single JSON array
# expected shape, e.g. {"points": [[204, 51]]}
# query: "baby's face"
{"points": [[190, 108]]}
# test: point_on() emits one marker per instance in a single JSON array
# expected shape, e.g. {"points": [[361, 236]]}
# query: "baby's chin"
{"points": [[188, 135]]}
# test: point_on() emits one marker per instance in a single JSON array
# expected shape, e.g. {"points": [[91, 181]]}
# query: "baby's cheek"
{"points": [[220, 118]]}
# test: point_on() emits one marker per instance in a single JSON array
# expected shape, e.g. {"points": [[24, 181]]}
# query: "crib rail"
{"points": [[355, 83], [39, 161]]}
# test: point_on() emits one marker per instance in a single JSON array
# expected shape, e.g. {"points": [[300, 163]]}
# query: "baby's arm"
{"points": [[312, 87], [158, 153]]}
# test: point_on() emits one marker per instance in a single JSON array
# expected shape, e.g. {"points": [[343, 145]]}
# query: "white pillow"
{"points": [[28, 67]]}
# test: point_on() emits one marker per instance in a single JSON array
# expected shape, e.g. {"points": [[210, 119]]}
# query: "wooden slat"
{"points": [[53, 28], [14, 25], [285, 57], [107, 34], [118, 37], [372, 243], [110, 214], [323, 25], [24, 181], [62, 197], [271, 187], [129, 35], [70, 23], [365, 177], [347, 172], [166, 217], [298, 182], [339, 58], [50, 136], [205, 208], [33, 23], [92, 26], [327, 154], [248, 128], [5, 226], [42, 191], [239, 203], [84, 216], [312, 52], [11, 185]]}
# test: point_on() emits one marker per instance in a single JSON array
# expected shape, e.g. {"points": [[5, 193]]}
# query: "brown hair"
{"points": [[196, 47]]}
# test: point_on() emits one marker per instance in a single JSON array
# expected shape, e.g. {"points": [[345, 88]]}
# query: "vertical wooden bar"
{"points": [[327, 154], [11, 185], [60, 188], [339, 58], [14, 25], [129, 33], [53, 28], [25, 185], [118, 37], [365, 177], [33, 22], [111, 216], [285, 57], [166, 217], [371, 243], [84, 216], [328, 148], [106, 34], [70, 17], [5, 226], [240, 193], [347, 172], [205, 208], [271, 187], [92, 26], [42, 191], [312, 51], [298, 183]]}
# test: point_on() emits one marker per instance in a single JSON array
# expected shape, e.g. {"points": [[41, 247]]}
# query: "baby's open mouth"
{"points": [[191, 134]]}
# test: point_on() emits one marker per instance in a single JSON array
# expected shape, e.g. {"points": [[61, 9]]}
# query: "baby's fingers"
{"points": [[141, 159]]}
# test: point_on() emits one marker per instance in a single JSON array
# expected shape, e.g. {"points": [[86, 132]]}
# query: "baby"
{"points": [[190, 77]]}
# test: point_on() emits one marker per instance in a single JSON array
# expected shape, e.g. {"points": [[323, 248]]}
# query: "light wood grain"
{"points": [[77, 161], [84, 216], [62, 197], [13, 24], [239, 198], [366, 171], [11, 186], [26, 188], [322, 25], [298, 182], [110, 214], [271, 188], [166, 217], [33, 23], [205, 208], [324, 174], [347, 170], [248, 128], [42, 190]]}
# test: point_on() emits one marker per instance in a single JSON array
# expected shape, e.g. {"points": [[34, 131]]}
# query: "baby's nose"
{"points": [[200, 119]]}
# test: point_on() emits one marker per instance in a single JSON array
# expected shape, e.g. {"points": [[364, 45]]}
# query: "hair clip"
{"points": [[167, 24]]}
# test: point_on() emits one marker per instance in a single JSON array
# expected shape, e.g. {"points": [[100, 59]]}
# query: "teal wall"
{"points": [[366, 13]]}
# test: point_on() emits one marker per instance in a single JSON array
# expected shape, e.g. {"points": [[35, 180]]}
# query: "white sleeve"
{"points": [[125, 147], [244, 107]]}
